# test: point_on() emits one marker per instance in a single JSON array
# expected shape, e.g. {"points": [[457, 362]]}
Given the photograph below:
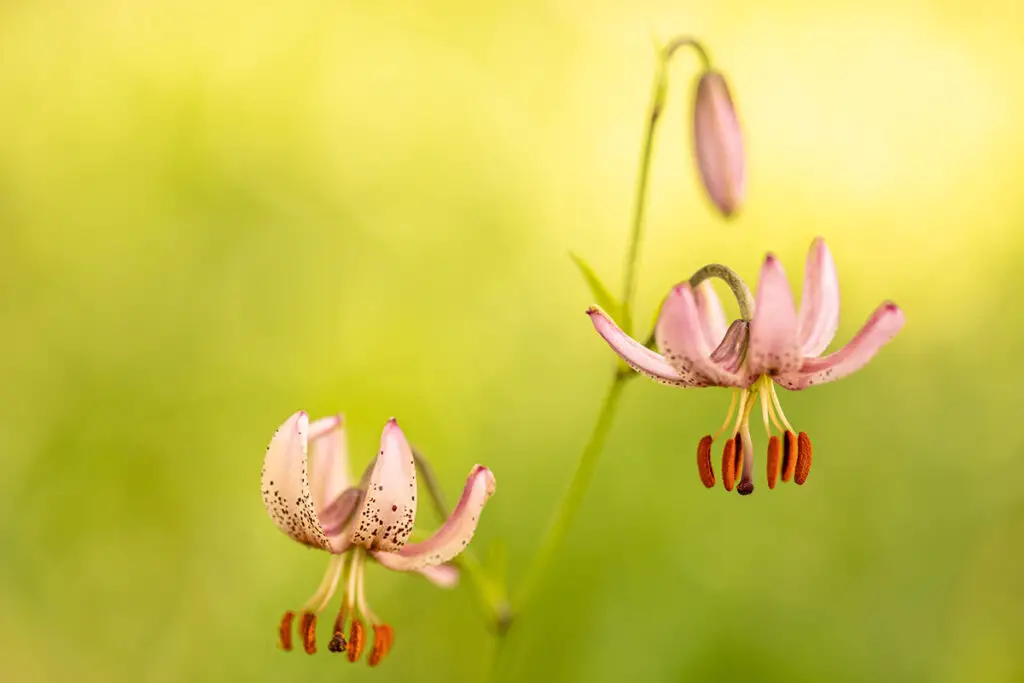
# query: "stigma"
{"points": [[789, 451], [354, 615]]}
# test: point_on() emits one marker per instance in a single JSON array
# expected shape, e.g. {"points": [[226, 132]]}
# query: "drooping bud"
{"points": [[718, 143]]}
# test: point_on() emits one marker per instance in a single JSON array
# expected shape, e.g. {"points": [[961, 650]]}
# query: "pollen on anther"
{"points": [[307, 629], [803, 458], [707, 473], [774, 456], [284, 631], [729, 465], [356, 640], [789, 454], [383, 637]]}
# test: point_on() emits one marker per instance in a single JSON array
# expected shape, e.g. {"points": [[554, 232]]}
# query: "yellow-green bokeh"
{"points": [[213, 214]]}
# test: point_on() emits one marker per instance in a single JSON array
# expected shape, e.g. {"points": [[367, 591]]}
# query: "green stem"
{"points": [[659, 93], [587, 465], [577, 491], [727, 275]]}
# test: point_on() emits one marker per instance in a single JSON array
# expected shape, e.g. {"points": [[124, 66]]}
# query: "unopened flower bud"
{"points": [[718, 143]]}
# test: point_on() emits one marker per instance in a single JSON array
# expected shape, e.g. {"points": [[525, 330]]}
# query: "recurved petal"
{"points": [[713, 322], [819, 302], [328, 466], [441, 575], [285, 484], [774, 346], [454, 535], [389, 506], [881, 327], [636, 355], [681, 339]]}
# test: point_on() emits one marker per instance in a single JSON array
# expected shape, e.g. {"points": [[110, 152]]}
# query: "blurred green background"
{"points": [[213, 214]]}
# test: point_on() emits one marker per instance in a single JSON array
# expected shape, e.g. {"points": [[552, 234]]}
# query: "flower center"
{"points": [[789, 454], [353, 611]]}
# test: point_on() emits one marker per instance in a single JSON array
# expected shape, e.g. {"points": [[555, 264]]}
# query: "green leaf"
{"points": [[602, 297]]}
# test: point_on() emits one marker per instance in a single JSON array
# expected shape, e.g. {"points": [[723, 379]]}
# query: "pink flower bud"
{"points": [[718, 143]]}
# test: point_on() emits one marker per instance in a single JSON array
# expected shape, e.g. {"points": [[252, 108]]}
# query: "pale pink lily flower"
{"points": [[314, 501], [781, 345]]}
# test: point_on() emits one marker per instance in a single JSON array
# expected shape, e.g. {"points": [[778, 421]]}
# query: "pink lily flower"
{"points": [[316, 504], [781, 345]]}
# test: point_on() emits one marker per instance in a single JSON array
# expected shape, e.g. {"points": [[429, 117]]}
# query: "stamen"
{"points": [[778, 409], [789, 455], [325, 591], [746, 402], [745, 449], [338, 642], [729, 464], [356, 640], [284, 631], [774, 455], [361, 598], [707, 474], [803, 458], [383, 637], [729, 413], [764, 412], [307, 629]]}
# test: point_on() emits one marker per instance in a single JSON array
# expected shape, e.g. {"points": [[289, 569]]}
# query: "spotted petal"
{"points": [[636, 355], [285, 484], [681, 338], [881, 327], [454, 535], [774, 346], [389, 506], [819, 301]]}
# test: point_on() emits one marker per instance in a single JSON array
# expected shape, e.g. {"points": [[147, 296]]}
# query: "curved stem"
{"points": [[727, 275], [659, 92]]}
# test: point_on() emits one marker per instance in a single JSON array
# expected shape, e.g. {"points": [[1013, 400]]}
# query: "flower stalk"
{"points": [[587, 464]]}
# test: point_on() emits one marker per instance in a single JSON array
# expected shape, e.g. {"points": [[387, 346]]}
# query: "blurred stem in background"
{"points": [[491, 594], [587, 464]]}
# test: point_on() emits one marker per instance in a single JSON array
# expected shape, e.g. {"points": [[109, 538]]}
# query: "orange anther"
{"points": [[707, 474], [284, 631], [789, 454], [307, 629], [729, 464], [356, 640], [774, 456], [383, 636], [803, 458]]}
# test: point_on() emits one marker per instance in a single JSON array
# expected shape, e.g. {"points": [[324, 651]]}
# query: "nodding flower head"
{"points": [[780, 345], [313, 501]]}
